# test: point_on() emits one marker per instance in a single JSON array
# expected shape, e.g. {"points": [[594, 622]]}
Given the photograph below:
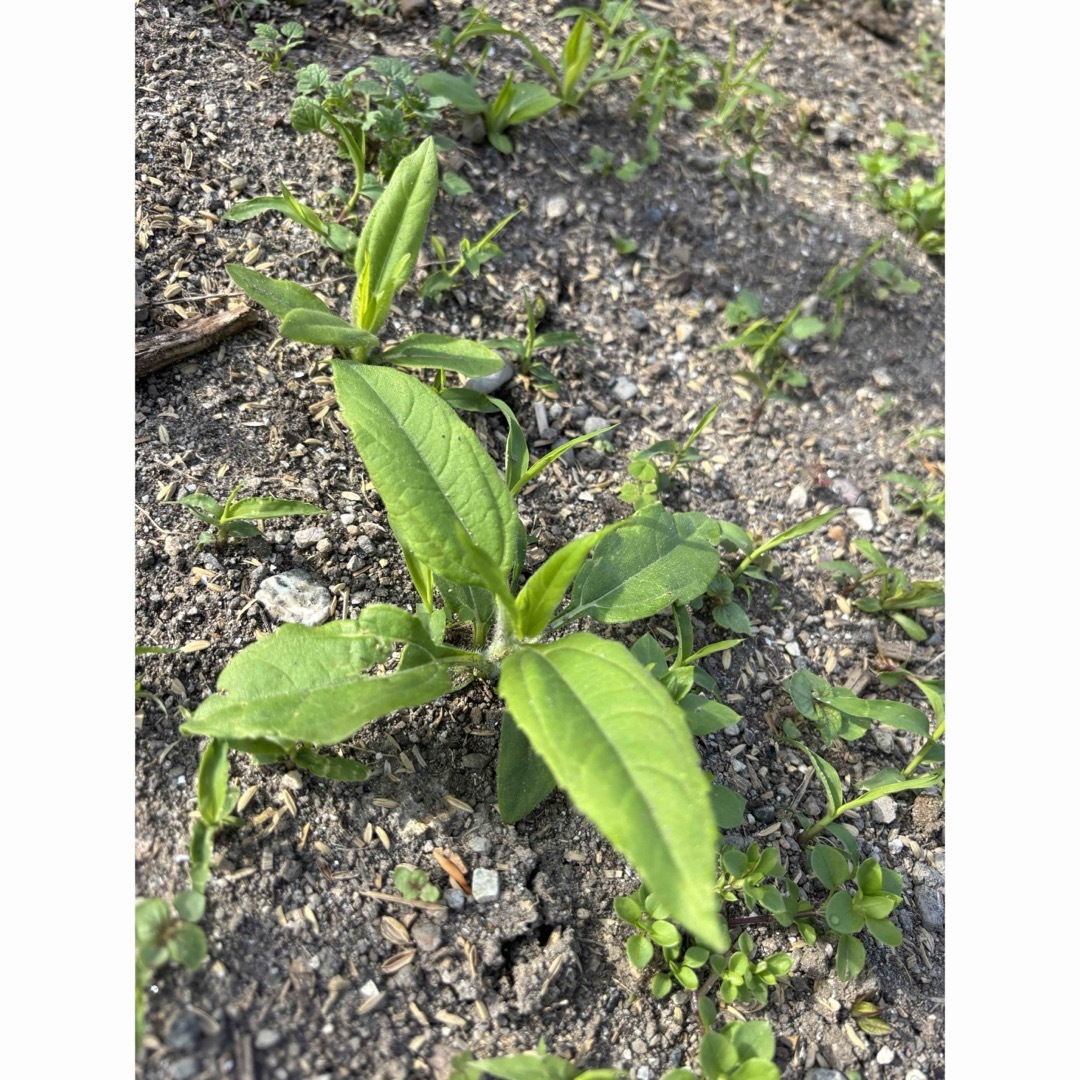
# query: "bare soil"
{"points": [[295, 943]]}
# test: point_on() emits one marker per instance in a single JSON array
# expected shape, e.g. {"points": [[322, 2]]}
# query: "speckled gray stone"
{"points": [[295, 597], [485, 885]]}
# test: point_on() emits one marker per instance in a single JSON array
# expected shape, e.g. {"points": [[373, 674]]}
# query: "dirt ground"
{"points": [[303, 975]]}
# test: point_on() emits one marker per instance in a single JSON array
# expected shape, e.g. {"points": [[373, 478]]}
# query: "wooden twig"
{"points": [[192, 336]]}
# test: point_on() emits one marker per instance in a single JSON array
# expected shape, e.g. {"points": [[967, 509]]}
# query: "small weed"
{"points": [[769, 348], [413, 883], [650, 478], [885, 589], [929, 74], [917, 206], [272, 44], [525, 352], [471, 256], [235, 518], [923, 497]]}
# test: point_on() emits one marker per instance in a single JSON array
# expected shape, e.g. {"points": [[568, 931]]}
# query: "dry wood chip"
{"points": [[386, 804], [418, 1013], [458, 804], [310, 916], [288, 800], [372, 1002], [195, 646]]}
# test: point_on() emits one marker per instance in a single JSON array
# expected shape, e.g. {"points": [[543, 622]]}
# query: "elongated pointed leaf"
{"points": [[445, 499], [618, 746], [522, 781], [264, 507], [391, 238], [529, 101], [544, 591], [329, 766], [657, 558], [278, 297], [306, 684], [457, 89], [325, 328], [554, 454], [212, 784], [801, 529], [470, 358], [203, 506]]}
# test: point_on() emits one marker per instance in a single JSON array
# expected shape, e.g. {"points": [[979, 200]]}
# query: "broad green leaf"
{"points": [[443, 495], [829, 866], [151, 917], [874, 907], [731, 616], [529, 101], [753, 1039], [522, 780], [305, 683], [841, 916], [806, 327], [258, 508], [212, 782], [325, 328], [470, 358], [190, 905], [802, 687], [544, 591], [656, 559], [850, 957], [468, 603], [187, 945], [895, 714], [618, 746], [756, 1069], [908, 625], [717, 1054], [328, 766], [278, 297], [868, 876], [884, 931], [391, 238], [627, 908], [664, 933], [648, 653], [457, 89], [389, 624], [729, 807]]}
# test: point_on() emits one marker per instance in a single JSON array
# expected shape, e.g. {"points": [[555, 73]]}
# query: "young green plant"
{"points": [[386, 253], [272, 44], [234, 518], [581, 712], [524, 352]]}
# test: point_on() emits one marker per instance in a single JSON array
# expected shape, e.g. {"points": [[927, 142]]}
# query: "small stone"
{"points": [[295, 597], [883, 810], [914, 1074], [557, 207], [211, 110], [488, 384], [185, 1068], [485, 885], [455, 899], [882, 379], [183, 1032], [475, 761], [624, 388], [885, 741], [797, 498], [931, 905], [684, 331], [885, 1055], [792, 649], [238, 184], [594, 423], [409, 9], [305, 538], [638, 320], [426, 934], [266, 1038], [861, 518], [480, 844]]}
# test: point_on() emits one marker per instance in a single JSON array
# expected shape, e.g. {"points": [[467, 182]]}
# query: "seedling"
{"points": [[535, 1064], [525, 352], [166, 932], [386, 253], [650, 478], [837, 713], [471, 256], [235, 518], [895, 594], [272, 44], [581, 712], [515, 103], [413, 883], [769, 348], [917, 206], [932, 750], [930, 69], [915, 496]]}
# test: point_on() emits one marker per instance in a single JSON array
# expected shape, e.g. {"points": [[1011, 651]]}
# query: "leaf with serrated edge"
{"points": [[657, 558], [304, 683], [444, 497], [618, 746]]}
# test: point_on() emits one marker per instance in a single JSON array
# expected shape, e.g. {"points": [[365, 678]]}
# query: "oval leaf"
{"points": [[470, 358], [325, 328], [445, 499], [618, 746], [278, 297]]}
